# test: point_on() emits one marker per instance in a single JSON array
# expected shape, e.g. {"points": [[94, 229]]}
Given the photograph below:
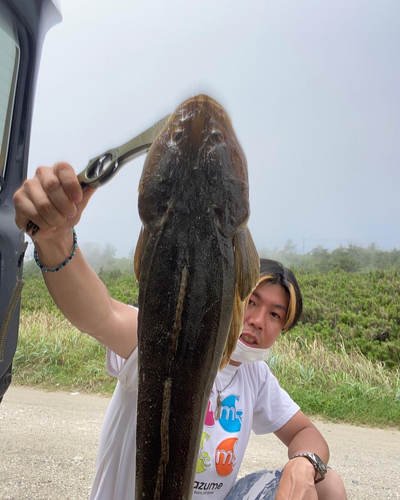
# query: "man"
{"points": [[54, 201]]}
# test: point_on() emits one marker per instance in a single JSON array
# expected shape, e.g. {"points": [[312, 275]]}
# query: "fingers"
{"points": [[52, 199], [69, 181], [25, 208], [87, 194], [61, 193]]}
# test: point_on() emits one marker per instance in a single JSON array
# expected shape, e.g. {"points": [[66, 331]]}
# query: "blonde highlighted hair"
{"points": [[273, 272]]}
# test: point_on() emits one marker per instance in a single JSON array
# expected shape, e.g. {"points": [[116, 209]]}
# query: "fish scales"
{"points": [[196, 263]]}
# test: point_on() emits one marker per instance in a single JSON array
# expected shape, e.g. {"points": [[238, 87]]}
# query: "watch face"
{"points": [[320, 463]]}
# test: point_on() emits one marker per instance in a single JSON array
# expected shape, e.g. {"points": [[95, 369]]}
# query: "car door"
{"points": [[23, 25]]}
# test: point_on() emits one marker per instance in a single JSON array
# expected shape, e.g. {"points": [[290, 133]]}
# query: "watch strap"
{"points": [[318, 470]]}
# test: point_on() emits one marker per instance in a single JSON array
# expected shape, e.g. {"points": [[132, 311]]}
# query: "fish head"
{"points": [[196, 164]]}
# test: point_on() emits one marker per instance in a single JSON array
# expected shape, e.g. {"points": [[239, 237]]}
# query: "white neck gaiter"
{"points": [[246, 354]]}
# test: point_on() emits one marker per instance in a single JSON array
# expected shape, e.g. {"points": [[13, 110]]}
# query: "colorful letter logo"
{"points": [[231, 419], [204, 458], [210, 421], [225, 459]]}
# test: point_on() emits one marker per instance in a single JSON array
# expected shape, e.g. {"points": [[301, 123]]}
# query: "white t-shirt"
{"points": [[252, 401]]}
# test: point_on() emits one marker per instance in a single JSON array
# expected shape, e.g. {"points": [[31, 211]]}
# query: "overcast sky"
{"points": [[312, 88]]}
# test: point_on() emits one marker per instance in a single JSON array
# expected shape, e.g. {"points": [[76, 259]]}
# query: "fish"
{"points": [[196, 264]]}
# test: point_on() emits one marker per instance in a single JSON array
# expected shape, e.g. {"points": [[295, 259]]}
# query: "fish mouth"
{"points": [[202, 98], [207, 99], [249, 339]]}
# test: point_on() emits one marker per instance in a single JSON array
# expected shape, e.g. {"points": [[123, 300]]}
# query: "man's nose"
{"points": [[257, 319]]}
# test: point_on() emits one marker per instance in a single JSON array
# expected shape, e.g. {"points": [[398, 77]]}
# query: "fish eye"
{"points": [[216, 136], [177, 135]]}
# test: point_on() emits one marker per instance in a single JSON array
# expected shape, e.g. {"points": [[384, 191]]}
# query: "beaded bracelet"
{"points": [[66, 261]]}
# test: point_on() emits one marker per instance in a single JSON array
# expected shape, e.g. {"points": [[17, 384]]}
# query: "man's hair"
{"points": [[273, 272]]}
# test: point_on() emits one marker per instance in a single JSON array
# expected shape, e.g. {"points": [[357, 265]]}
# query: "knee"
{"points": [[332, 487]]}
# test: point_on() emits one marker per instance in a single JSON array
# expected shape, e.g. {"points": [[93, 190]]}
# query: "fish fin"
{"points": [[247, 263], [141, 244], [234, 331]]}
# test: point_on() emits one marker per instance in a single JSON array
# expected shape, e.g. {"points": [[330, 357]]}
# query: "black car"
{"points": [[23, 25]]}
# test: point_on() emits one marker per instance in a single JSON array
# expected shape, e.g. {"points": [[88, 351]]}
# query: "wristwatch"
{"points": [[319, 466]]}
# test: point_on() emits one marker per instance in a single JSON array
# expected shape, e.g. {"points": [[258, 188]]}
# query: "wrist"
{"points": [[301, 467], [316, 463], [53, 253]]}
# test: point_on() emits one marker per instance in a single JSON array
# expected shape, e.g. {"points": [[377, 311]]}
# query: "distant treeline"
{"points": [[351, 259], [102, 259]]}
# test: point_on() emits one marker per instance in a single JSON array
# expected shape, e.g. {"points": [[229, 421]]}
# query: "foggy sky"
{"points": [[312, 89]]}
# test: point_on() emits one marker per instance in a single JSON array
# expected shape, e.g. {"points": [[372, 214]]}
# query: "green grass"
{"points": [[339, 386], [360, 311], [52, 354]]}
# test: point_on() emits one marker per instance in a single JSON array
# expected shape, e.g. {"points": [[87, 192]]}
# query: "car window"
{"points": [[9, 64]]}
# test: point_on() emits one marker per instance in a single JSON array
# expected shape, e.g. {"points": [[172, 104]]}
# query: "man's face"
{"points": [[265, 316]]}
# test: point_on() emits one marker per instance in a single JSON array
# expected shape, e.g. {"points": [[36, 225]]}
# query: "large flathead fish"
{"points": [[195, 263]]}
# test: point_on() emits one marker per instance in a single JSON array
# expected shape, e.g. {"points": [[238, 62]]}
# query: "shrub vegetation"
{"points": [[360, 311], [341, 360]]}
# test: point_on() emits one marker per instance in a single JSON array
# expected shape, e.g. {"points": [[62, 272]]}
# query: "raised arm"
{"points": [[54, 200]]}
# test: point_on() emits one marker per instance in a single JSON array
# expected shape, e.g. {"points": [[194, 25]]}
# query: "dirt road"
{"points": [[48, 444]]}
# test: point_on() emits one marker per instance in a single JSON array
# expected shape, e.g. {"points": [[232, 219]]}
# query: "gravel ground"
{"points": [[49, 443]]}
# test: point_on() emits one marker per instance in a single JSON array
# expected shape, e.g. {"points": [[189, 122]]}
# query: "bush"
{"points": [[358, 310]]}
